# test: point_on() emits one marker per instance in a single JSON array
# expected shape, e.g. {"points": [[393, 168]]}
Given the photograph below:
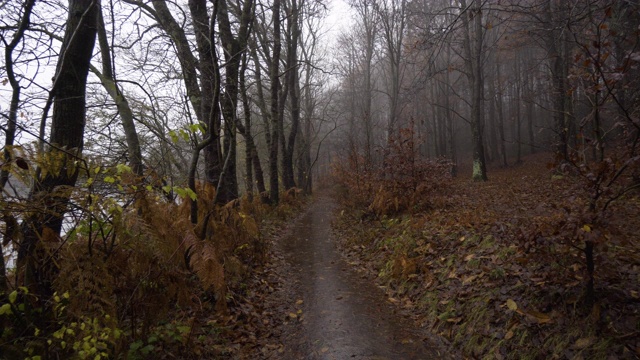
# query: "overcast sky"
{"points": [[339, 17]]}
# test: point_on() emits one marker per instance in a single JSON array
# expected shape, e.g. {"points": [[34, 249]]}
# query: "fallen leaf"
{"points": [[469, 279], [540, 318], [583, 343], [508, 335], [512, 305]]}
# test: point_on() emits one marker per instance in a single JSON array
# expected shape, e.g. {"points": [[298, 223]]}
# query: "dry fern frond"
{"points": [[207, 265], [88, 281]]}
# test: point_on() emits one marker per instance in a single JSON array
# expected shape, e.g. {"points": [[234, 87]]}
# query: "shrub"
{"points": [[405, 181]]}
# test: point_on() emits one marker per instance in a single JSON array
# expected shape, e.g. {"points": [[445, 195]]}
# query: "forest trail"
{"points": [[343, 316]]}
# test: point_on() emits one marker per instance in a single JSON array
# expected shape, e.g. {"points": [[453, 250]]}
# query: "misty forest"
{"points": [[250, 179]]}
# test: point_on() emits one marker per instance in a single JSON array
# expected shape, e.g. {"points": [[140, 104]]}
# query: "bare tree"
{"points": [[473, 48], [393, 17], [11, 129], [55, 180]]}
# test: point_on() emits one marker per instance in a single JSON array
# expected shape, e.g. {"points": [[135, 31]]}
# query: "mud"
{"points": [[343, 315]]}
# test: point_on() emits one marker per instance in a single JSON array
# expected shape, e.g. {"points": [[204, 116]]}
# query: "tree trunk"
{"points": [[107, 78], [492, 128], [498, 95], [473, 64], [235, 48], [10, 132], [518, 93], [252, 161], [56, 180], [294, 94], [274, 74], [559, 86]]}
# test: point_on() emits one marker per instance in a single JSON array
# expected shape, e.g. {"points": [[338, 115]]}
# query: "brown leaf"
{"points": [[540, 318], [508, 335], [583, 343]]}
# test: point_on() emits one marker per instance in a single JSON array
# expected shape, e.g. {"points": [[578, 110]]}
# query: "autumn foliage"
{"points": [[139, 279], [500, 268], [403, 181]]}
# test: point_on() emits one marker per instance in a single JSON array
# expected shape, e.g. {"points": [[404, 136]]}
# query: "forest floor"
{"points": [[486, 267], [309, 303], [471, 277]]}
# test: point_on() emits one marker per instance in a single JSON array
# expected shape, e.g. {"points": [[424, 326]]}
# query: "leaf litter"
{"points": [[486, 268]]}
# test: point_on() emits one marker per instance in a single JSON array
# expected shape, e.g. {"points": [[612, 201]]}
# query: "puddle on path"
{"points": [[344, 316]]}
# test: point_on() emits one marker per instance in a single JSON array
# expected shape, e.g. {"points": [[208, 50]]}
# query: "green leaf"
{"points": [[122, 168], [5, 309], [109, 179], [147, 349], [192, 195], [13, 296], [184, 134], [174, 136], [135, 345]]}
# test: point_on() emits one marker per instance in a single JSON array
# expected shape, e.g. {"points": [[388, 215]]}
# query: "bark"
{"points": [[186, 58], [209, 88], [517, 89], [234, 49], [55, 181], [498, 95], [10, 132], [559, 85], [450, 125], [474, 71], [107, 78], [492, 129], [252, 161], [369, 23], [529, 110], [274, 74], [393, 23], [294, 94]]}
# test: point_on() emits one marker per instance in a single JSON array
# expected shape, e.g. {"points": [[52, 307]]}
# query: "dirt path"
{"points": [[343, 316]]}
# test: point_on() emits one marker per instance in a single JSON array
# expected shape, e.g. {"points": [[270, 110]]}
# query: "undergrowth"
{"points": [[488, 268], [138, 280]]}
